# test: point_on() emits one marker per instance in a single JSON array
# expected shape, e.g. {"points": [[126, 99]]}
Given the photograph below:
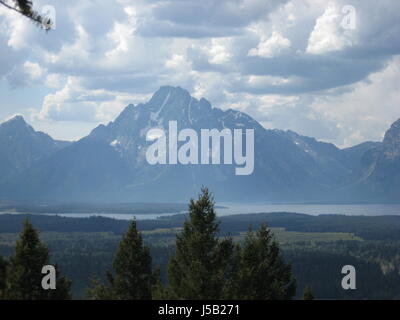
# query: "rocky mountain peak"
{"points": [[391, 142], [287, 165], [15, 123], [169, 97]]}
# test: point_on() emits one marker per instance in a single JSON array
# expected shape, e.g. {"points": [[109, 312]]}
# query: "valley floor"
{"points": [[317, 247]]}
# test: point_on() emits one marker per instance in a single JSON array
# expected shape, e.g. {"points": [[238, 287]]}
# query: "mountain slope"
{"points": [[86, 170], [110, 163], [280, 165], [382, 166], [21, 146]]}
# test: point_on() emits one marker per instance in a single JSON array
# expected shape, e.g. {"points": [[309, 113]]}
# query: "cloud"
{"points": [[328, 34], [288, 63], [63, 105], [204, 19], [270, 47], [302, 73], [27, 74], [74, 102], [368, 110]]}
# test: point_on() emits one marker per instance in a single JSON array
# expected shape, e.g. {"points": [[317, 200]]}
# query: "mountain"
{"points": [[21, 147], [110, 163], [287, 165], [85, 170], [381, 176]]}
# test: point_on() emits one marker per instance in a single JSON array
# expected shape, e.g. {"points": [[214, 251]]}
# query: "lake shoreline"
{"points": [[228, 209]]}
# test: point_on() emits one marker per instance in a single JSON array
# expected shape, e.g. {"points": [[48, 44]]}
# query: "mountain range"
{"points": [[109, 165]]}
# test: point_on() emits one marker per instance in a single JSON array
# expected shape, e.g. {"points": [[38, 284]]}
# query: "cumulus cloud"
{"points": [[367, 110], [291, 64], [328, 34], [76, 103], [26, 74], [63, 105], [270, 46]]}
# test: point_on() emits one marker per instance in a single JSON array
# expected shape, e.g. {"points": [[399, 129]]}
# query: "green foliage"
{"points": [[133, 279], [319, 265], [159, 291], [3, 266], [205, 267], [364, 227], [262, 272], [307, 294], [132, 265], [83, 249], [98, 291], [200, 267], [23, 272]]}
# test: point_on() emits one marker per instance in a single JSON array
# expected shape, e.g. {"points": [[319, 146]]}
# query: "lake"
{"points": [[234, 208]]}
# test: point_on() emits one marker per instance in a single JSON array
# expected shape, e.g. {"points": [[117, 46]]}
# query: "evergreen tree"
{"points": [[24, 7], [24, 270], [99, 291], [200, 268], [133, 279], [3, 266], [159, 291], [307, 294], [262, 272]]}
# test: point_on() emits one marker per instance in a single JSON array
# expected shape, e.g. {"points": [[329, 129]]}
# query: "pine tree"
{"points": [[307, 294], [200, 268], [133, 279], [24, 270], [262, 272], [99, 291], [3, 266]]}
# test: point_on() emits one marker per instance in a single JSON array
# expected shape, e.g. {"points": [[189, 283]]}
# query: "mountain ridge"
{"points": [[288, 166], [21, 146]]}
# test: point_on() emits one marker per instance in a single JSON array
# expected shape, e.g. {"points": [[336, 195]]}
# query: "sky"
{"points": [[327, 69]]}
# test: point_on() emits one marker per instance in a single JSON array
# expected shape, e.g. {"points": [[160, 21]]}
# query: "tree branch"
{"points": [[33, 16]]}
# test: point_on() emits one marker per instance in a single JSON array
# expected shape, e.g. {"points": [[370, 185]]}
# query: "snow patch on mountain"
{"points": [[115, 143]]}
